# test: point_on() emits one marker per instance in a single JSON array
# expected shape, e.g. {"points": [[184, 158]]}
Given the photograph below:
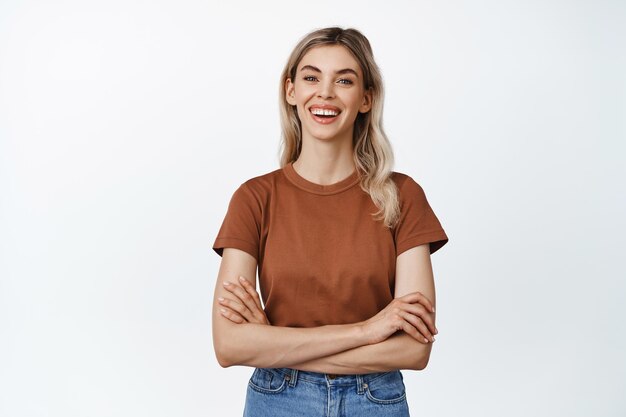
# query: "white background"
{"points": [[125, 127]]}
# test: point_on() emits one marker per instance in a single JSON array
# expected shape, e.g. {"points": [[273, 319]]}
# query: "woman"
{"points": [[348, 290]]}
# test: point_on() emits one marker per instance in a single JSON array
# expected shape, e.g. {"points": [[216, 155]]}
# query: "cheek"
{"points": [[353, 101], [354, 111], [302, 99], [301, 110]]}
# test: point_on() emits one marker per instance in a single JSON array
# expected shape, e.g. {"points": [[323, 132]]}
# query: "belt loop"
{"points": [[293, 377], [359, 384]]}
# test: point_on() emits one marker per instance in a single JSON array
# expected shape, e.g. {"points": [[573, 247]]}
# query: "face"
{"points": [[328, 80]]}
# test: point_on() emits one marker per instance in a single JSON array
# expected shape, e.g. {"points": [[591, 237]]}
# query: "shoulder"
{"points": [[258, 189], [263, 180], [406, 184]]}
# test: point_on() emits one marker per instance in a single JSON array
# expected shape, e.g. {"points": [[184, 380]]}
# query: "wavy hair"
{"points": [[372, 152]]}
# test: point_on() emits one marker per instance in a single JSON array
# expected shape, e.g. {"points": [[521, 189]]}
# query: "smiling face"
{"points": [[329, 82]]}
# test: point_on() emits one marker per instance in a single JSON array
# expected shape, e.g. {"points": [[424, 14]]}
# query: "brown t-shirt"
{"points": [[322, 259]]}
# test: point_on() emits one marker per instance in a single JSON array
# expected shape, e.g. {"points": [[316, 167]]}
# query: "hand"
{"points": [[246, 308], [411, 312]]}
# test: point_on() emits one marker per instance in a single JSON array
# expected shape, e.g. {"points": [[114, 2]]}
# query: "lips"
{"points": [[325, 107], [324, 120]]}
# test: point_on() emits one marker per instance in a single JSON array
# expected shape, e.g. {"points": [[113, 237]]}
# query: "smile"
{"points": [[324, 116]]}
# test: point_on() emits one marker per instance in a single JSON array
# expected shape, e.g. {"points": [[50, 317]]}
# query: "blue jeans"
{"points": [[286, 392]]}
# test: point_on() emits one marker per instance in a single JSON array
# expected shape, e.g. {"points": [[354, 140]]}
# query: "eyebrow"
{"points": [[342, 71]]}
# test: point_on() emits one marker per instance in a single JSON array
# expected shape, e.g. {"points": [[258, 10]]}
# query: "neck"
{"points": [[326, 161]]}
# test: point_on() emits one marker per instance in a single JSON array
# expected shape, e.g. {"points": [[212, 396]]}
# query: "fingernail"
{"points": [[222, 310], [433, 338], [433, 309], [436, 331], [226, 283], [220, 298], [425, 340], [242, 279]]}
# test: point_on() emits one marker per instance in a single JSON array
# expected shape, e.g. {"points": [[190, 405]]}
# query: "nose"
{"points": [[326, 89]]}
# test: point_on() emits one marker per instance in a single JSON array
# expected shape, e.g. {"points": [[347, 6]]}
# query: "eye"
{"points": [[341, 80]]}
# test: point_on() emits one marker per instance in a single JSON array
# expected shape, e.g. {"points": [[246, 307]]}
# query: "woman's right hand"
{"points": [[411, 313]]}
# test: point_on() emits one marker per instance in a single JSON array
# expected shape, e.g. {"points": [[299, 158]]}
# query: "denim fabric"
{"points": [[286, 392]]}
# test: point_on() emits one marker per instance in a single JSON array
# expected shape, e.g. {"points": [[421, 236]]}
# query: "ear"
{"points": [[367, 101], [290, 93]]}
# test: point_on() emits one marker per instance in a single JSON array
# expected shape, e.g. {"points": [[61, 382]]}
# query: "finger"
{"points": [[257, 311], [420, 310], [412, 331], [422, 299], [410, 297], [418, 324], [235, 306], [231, 316], [252, 291], [417, 297], [251, 300], [242, 295], [416, 308], [404, 320], [250, 311]]}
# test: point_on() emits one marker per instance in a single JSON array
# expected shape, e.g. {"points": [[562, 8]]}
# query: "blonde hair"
{"points": [[373, 155]]}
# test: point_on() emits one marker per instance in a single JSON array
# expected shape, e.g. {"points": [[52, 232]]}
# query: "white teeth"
{"points": [[324, 112]]}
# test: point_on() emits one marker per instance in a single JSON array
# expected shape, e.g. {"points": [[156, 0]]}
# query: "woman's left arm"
{"points": [[414, 272], [399, 351]]}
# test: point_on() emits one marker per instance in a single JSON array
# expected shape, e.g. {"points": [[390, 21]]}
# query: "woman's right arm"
{"points": [[263, 346]]}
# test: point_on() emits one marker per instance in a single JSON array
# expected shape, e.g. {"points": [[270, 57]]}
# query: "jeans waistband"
{"points": [[293, 375]]}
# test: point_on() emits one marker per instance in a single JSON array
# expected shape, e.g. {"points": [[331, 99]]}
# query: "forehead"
{"points": [[330, 58]]}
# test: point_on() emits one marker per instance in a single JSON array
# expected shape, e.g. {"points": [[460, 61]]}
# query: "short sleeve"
{"points": [[241, 226], [418, 223]]}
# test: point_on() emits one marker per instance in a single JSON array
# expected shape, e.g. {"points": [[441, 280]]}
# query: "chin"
{"points": [[327, 132], [327, 137]]}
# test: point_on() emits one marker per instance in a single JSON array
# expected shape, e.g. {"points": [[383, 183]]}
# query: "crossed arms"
{"points": [[340, 349]]}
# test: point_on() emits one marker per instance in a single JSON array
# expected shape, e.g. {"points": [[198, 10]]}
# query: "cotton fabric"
{"points": [[322, 258]]}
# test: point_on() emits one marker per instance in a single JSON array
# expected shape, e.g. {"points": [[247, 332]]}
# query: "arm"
{"points": [[397, 352], [400, 351], [257, 345]]}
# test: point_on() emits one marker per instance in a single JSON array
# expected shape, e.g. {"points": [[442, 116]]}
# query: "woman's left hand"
{"points": [[246, 308]]}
